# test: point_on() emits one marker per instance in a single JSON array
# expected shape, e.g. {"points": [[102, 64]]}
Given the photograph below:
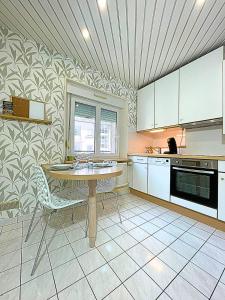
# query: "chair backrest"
{"points": [[105, 185], [43, 192]]}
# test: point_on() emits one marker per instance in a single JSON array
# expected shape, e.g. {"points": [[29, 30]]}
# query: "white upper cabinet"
{"points": [[166, 100], [145, 108], [201, 88]]}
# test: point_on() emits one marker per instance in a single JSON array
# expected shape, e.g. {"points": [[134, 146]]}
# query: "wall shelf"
{"points": [[23, 119]]}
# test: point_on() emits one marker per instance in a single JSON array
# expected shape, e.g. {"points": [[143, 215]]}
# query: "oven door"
{"points": [[196, 185]]}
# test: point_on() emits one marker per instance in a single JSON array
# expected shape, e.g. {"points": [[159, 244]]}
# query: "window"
{"points": [[94, 128], [108, 131], [84, 128]]}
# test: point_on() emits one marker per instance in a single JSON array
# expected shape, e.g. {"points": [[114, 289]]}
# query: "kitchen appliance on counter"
{"points": [[172, 145], [195, 180]]}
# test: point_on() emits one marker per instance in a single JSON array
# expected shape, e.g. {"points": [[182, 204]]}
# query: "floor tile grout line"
{"points": [[122, 233], [125, 251], [38, 243], [218, 281], [18, 286], [216, 246], [98, 267], [167, 246], [188, 261], [101, 267], [51, 271], [82, 271], [108, 241], [141, 268], [45, 252], [117, 288], [153, 253], [218, 235], [40, 217], [10, 290], [155, 232], [115, 274], [79, 255], [195, 263]]}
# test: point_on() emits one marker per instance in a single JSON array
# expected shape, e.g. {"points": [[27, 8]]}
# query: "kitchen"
{"points": [[202, 190], [112, 149]]}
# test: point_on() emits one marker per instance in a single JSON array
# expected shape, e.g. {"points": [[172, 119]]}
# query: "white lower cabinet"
{"points": [[221, 196], [140, 177], [159, 178]]}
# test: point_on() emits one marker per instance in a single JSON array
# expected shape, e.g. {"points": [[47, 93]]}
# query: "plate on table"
{"points": [[102, 165], [61, 167]]}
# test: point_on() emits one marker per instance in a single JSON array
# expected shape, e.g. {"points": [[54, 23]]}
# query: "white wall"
{"points": [[137, 141], [206, 141]]}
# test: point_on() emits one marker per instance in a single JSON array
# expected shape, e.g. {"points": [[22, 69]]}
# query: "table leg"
{"points": [[92, 212]]}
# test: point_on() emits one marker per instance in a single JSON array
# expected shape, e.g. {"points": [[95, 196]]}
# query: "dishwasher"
{"points": [[159, 177]]}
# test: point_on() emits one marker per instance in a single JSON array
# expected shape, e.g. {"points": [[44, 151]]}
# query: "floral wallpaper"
{"points": [[30, 70]]}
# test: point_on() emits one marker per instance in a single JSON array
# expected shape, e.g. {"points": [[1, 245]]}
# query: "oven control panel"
{"points": [[195, 163]]}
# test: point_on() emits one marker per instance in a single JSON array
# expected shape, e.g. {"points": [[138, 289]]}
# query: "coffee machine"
{"points": [[172, 145]]}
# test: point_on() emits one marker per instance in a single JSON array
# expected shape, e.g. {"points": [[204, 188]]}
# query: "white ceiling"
{"points": [[137, 41]]}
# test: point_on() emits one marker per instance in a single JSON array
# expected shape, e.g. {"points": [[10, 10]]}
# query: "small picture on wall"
{"points": [[37, 110], [7, 108]]}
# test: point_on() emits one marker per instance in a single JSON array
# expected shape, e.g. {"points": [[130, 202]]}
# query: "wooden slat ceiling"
{"points": [[137, 41]]}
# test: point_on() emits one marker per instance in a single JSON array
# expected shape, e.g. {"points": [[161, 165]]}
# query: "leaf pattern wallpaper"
{"points": [[30, 70]]}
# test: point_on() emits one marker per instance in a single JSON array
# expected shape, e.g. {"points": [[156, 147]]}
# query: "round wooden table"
{"points": [[91, 175]]}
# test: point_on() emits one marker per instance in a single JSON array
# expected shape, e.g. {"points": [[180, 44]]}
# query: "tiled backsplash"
{"points": [[138, 141], [205, 141], [198, 141]]}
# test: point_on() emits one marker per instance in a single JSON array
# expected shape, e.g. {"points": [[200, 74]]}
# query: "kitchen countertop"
{"points": [[212, 157]]}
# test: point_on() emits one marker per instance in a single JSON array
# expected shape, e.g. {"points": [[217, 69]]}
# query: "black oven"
{"points": [[195, 180]]}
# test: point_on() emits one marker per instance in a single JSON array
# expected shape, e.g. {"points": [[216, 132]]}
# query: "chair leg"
{"points": [[87, 221], [117, 207], [73, 215], [31, 222], [41, 243], [102, 200]]}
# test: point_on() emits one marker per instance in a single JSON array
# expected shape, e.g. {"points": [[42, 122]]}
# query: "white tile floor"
{"points": [[154, 254]]}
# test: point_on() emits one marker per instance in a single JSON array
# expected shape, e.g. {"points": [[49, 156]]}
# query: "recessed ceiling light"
{"points": [[85, 33], [102, 4], [199, 3]]}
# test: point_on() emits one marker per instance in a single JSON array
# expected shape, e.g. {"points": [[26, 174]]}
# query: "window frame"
{"points": [[97, 137]]}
